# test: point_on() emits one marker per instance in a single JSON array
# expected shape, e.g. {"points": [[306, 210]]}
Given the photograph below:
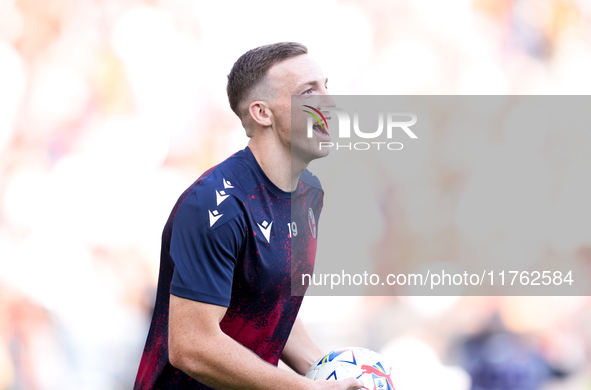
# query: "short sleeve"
{"points": [[205, 254]]}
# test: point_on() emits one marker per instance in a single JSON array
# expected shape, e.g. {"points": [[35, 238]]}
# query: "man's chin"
{"points": [[321, 146], [319, 152], [308, 157], [323, 153]]}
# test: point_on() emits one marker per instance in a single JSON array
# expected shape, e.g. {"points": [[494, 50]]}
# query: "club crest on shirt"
{"points": [[312, 222]]}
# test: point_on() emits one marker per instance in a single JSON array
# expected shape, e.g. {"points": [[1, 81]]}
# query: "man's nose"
{"points": [[326, 100]]}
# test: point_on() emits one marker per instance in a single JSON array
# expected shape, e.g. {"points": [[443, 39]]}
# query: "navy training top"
{"points": [[229, 241]]}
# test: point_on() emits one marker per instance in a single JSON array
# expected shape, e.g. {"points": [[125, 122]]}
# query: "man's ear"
{"points": [[260, 113]]}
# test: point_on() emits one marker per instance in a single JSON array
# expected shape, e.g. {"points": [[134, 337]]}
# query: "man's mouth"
{"points": [[320, 129]]}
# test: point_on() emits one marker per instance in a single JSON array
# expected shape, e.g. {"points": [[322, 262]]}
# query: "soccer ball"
{"points": [[361, 363]]}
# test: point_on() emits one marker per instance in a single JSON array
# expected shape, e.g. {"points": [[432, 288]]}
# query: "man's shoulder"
{"points": [[232, 176], [217, 196], [311, 180]]}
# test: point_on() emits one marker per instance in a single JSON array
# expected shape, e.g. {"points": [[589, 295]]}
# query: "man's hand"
{"points": [[301, 352], [345, 384]]}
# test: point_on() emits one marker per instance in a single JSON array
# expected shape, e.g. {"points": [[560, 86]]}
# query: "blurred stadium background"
{"points": [[110, 108]]}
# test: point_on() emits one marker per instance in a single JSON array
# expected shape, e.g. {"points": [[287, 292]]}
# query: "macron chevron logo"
{"points": [[227, 184], [213, 217], [220, 196], [266, 229]]}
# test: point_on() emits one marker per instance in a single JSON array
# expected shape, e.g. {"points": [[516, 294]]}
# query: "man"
{"points": [[224, 313]]}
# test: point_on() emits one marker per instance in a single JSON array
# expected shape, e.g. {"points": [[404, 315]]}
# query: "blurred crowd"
{"points": [[109, 109]]}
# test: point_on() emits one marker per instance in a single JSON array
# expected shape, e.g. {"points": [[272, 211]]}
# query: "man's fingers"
{"points": [[352, 383], [343, 384]]}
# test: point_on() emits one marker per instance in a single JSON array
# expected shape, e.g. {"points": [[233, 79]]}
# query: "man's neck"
{"points": [[278, 165]]}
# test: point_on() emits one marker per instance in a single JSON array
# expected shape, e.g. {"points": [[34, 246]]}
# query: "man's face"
{"points": [[302, 77]]}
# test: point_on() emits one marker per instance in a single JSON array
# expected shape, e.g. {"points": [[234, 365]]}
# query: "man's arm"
{"points": [[300, 351], [198, 347]]}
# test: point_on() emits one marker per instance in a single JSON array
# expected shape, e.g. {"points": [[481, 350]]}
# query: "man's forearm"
{"points": [[198, 347], [300, 351], [222, 363]]}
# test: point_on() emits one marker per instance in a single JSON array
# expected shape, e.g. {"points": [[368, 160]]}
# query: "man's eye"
{"points": [[308, 91]]}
